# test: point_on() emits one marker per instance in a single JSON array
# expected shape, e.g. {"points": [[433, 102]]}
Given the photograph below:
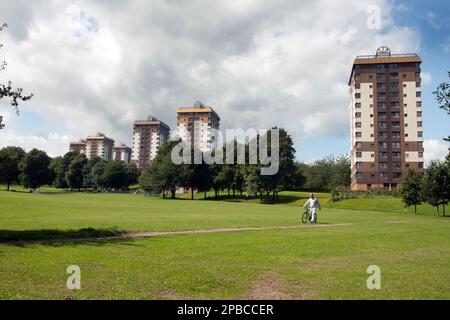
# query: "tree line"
{"points": [[35, 169], [433, 187], [165, 177]]}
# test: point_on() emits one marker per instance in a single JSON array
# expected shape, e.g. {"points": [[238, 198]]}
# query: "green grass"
{"points": [[312, 263]]}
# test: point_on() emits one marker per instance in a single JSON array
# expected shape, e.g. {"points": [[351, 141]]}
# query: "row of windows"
{"points": [[381, 175], [393, 95], [382, 76], [388, 65], [395, 144], [384, 134], [393, 105]]}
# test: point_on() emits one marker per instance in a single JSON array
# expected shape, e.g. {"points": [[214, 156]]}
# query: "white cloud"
{"points": [[97, 65], [435, 150], [426, 77]]}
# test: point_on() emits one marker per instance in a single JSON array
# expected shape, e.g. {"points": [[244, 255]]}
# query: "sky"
{"points": [[96, 66]]}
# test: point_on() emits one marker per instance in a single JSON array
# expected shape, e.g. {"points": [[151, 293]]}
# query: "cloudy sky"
{"points": [[96, 66]]}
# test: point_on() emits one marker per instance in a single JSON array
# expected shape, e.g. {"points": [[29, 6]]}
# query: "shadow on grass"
{"points": [[63, 237]]}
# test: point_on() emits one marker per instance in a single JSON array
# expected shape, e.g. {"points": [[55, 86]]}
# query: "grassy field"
{"points": [[328, 262]]}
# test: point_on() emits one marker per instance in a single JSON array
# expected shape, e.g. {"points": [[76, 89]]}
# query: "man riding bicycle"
{"points": [[313, 204]]}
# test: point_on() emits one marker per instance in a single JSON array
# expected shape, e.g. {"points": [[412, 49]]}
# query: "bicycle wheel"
{"points": [[305, 217]]}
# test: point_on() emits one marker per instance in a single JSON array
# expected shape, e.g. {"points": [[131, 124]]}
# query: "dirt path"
{"points": [[151, 234]]}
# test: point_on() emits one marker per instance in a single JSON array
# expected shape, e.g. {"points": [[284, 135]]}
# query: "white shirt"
{"points": [[312, 203]]}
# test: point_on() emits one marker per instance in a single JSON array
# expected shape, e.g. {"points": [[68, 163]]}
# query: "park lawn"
{"points": [[413, 251]]}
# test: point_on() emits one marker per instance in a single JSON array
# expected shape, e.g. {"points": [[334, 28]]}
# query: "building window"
{"points": [[419, 124], [420, 144], [358, 134], [395, 114], [418, 94], [382, 124], [419, 113], [395, 144], [381, 85], [358, 105], [396, 154], [419, 104], [357, 114], [421, 165], [397, 175], [358, 165], [382, 145], [357, 76], [383, 175], [359, 154], [382, 154], [417, 74], [420, 154], [381, 105], [383, 165], [395, 124], [381, 114], [393, 66], [358, 145], [357, 95], [396, 164], [420, 134], [381, 76], [358, 124], [357, 86], [417, 84]]}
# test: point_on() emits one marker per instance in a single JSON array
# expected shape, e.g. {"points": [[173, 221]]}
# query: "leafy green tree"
{"points": [[60, 168], [115, 175], [97, 175], [88, 178], [74, 176], [10, 158], [35, 170], [411, 189], [55, 167], [436, 185], [6, 90], [162, 175], [442, 96], [133, 173]]}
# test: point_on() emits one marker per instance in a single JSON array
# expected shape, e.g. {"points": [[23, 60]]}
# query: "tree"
{"points": [[60, 168], [10, 158], [436, 185], [442, 96], [88, 178], [162, 175], [35, 170], [74, 176], [115, 175], [411, 189], [6, 90], [97, 174], [133, 173]]}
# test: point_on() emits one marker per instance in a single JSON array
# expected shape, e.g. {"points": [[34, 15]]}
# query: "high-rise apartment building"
{"points": [[196, 123], [386, 119], [100, 146], [78, 146], [148, 136], [122, 153]]}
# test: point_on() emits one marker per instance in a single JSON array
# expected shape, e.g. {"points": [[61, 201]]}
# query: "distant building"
{"points": [[148, 136], [78, 146], [386, 119], [122, 152], [197, 123], [100, 146]]}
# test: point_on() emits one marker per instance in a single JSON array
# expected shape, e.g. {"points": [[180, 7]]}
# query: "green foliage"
{"points": [[115, 175], [436, 185], [411, 189], [442, 96], [35, 170], [10, 159], [74, 175], [339, 195], [324, 174], [6, 90]]}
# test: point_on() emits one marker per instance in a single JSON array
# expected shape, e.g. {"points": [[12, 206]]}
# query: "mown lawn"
{"points": [[413, 251]]}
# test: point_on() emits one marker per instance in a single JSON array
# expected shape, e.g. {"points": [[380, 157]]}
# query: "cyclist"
{"points": [[313, 204]]}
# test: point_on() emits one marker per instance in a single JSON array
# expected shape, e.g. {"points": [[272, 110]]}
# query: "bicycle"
{"points": [[307, 216]]}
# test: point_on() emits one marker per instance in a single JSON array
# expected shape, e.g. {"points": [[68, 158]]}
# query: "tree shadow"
{"points": [[86, 236]]}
